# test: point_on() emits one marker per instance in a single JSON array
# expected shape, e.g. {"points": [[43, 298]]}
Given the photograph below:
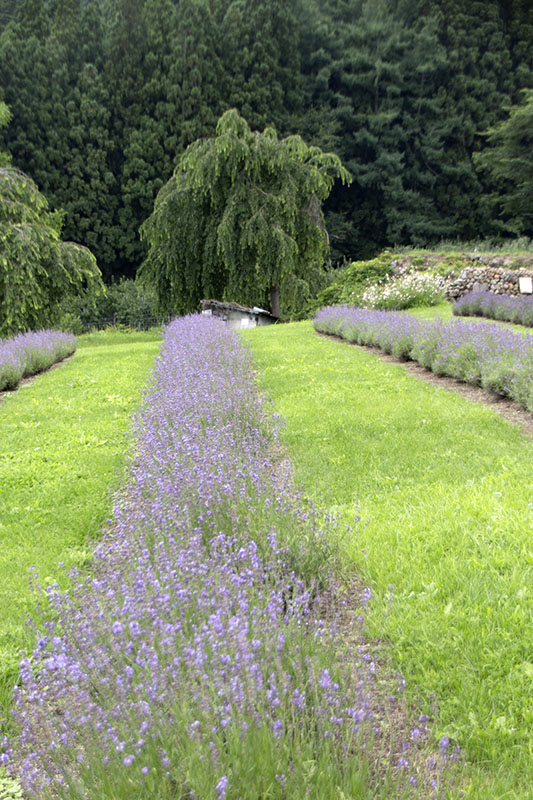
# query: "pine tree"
{"points": [[124, 53], [91, 185], [261, 61], [509, 161], [379, 78], [23, 72]]}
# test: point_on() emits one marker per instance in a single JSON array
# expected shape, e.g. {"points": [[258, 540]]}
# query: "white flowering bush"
{"points": [[405, 290]]}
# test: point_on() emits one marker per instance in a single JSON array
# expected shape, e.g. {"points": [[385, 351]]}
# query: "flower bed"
{"points": [[406, 290], [30, 353], [191, 662], [518, 310], [478, 353]]}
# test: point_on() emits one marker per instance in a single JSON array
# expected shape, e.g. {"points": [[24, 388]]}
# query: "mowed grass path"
{"points": [[444, 488], [62, 445]]}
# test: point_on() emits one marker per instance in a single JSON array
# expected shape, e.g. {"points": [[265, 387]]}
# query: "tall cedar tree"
{"points": [[259, 48], [106, 95], [241, 219], [509, 160], [378, 94]]}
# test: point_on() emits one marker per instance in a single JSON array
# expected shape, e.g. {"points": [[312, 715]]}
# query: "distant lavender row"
{"points": [[496, 306], [30, 353], [191, 663], [479, 353]]}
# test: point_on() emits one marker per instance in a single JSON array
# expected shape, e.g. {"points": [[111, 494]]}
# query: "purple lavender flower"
{"points": [[479, 353], [191, 622], [221, 787], [30, 353]]}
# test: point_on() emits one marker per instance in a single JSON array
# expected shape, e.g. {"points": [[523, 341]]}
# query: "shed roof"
{"points": [[229, 306]]}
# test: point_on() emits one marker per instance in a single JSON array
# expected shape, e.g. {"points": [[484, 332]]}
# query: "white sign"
{"points": [[526, 285]]}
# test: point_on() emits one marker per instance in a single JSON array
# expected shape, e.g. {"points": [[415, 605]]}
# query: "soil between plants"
{"points": [[507, 408]]}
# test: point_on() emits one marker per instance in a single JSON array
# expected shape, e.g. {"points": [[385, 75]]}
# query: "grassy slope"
{"points": [[444, 488], [63, 440]]}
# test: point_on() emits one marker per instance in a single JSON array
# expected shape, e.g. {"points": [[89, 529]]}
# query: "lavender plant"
{"points": [[518, 310], [192, 662], [480, 353], [30, 353]]}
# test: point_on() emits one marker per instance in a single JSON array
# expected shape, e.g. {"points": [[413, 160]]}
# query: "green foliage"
{"points": [[105, 97], [351, 280], [241, 218], [123, 303], [509, 162], [64, 437], [9, 788], [442, 488], [36, 268], [5, 116]]}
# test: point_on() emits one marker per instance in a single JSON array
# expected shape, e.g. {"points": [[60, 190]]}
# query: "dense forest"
{"points": [[105, 95]]}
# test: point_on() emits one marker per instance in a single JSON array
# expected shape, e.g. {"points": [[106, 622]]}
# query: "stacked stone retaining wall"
{"points": [[469, 272], [489, 279]]}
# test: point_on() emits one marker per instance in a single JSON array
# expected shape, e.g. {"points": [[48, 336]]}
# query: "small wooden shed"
{"points": [[237, 316]]}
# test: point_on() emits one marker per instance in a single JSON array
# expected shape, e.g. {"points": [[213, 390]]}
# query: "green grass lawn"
{"points": [[444, 311], [62, 444], [444, 489]]}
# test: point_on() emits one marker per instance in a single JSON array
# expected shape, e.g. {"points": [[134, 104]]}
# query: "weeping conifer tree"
{"points": [[37, 269], [241, 219]]}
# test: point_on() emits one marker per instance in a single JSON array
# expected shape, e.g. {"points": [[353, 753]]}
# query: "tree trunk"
{"points": [[275, 300]]}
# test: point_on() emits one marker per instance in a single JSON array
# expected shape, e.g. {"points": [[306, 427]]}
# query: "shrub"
{"points": [[30, 353], [477, 353], [405, 291], [124, 303], [518, 310], [192, 661]]}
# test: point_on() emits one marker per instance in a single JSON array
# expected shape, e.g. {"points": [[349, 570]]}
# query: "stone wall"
{"points": [[495, 279]]}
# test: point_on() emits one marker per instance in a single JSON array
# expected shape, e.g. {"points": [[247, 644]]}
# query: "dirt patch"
{"points": [[507, 408], [31, 378]]}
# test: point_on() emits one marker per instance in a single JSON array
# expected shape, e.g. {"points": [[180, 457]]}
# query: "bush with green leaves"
{"points": [[125, 303], [37, 269], [407, 290], [352, 279]]}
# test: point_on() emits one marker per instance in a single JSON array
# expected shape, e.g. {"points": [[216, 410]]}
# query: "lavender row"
{"points": [[518, 310], [30, 353], [479, 353], [192, 661]]}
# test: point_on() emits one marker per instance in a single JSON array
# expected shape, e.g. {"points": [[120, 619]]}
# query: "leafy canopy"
{"points": [[241, 218], [36, 268]]}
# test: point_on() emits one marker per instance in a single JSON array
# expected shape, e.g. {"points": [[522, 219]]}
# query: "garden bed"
{"points": [[481, 354], [30, 353]]}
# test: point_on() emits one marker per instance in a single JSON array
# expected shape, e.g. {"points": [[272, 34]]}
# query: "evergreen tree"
{"points": [[37, 269], [509, 161], [241, 218], [261, 61], [23, 72], [379, 78], [91, 185], [124, 53], [180, 103], [478, 84]]}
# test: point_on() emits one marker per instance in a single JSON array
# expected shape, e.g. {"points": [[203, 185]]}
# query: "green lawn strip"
{"points": [[62, 445], [444, 488], [444, 311]]}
